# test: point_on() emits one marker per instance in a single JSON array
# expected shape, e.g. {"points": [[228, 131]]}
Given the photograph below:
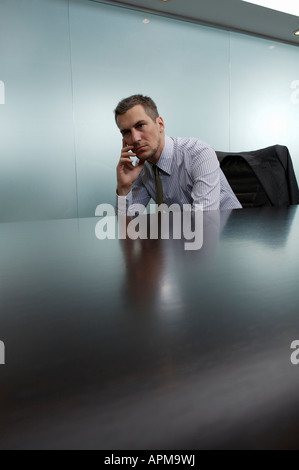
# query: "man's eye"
{"points": [[141, 125]]}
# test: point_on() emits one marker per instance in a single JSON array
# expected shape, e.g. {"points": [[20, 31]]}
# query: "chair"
{"points": [[263, 177]]}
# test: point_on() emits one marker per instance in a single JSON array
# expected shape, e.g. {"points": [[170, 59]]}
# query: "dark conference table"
{"points": [[128, 345]]}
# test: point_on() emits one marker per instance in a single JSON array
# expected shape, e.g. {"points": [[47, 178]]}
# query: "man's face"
{"points": [[140, 131]]}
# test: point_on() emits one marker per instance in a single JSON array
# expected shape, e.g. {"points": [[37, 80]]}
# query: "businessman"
{"points": [[170, 170]]}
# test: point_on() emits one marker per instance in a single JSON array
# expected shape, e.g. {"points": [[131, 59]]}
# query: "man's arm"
{"points": [[130, 189], [205, 174], [127, 173], [138, 195]]}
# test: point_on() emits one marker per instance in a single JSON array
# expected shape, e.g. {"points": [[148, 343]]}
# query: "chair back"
{"points": [[261, 178]]}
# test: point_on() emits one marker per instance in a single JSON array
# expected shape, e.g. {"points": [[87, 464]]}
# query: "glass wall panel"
{"points": [[183, 67], [264, 88], [37, 164]]}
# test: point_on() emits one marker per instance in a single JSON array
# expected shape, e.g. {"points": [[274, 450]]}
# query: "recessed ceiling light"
{"points": [[146, 21], [296, 33], [286, 6]]}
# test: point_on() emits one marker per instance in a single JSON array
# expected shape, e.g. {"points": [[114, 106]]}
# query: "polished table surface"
{"points": [[123, 344]]}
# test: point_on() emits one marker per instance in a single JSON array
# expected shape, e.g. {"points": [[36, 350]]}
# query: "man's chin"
{"points": [[144, 156]]}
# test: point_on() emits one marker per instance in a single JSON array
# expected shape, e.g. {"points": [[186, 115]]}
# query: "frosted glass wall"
{"points": [[37, 157], [264, 86], [66, 64]]}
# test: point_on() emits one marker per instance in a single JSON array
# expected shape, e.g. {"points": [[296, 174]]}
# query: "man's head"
{"points": [[147, 103], [141, 126]]}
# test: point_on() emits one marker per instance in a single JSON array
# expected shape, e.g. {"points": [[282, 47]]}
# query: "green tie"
{"points": [[159, 188]]}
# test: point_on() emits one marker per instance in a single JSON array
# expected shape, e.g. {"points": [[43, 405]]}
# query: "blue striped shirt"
{"points": [[190, 174]]}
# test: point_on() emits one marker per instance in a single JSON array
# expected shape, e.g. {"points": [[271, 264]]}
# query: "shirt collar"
{"points": [[165, 161]]}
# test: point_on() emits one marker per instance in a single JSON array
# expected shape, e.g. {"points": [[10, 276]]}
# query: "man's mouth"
{"points": [[140, 149]]}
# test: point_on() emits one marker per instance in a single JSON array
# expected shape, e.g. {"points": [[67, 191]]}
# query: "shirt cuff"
{"points": [[123, 202]]}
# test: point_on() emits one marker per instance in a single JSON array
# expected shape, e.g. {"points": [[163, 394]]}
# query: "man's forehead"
{"points": [[132, 117]]}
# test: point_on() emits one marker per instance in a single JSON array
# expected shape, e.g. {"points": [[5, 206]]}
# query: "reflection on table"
{"points": [[140, 344]]}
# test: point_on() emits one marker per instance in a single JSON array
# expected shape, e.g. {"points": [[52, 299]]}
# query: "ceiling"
{"points": [[234, 15]]}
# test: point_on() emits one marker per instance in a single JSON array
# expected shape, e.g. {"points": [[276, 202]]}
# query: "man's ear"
{"points": [[161, 124]]}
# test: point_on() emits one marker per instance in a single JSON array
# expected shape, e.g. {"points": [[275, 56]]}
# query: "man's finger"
{"points": [[128, 154], [125, 160], [125, 144], [128, 148]]}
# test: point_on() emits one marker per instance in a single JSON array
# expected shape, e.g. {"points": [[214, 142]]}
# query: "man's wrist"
{"points": [[123, 191]]}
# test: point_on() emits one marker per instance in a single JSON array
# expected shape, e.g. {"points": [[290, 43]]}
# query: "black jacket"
{"points": [[261, 177]]}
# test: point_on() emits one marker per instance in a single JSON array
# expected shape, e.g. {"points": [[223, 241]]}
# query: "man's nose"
{"points": [[135, 136]]}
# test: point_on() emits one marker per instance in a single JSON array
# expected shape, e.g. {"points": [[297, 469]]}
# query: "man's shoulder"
{"points": [[191, 144], [192, 150]]}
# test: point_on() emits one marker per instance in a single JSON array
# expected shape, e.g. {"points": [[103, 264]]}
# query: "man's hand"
{"points": [[126, 172]]}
